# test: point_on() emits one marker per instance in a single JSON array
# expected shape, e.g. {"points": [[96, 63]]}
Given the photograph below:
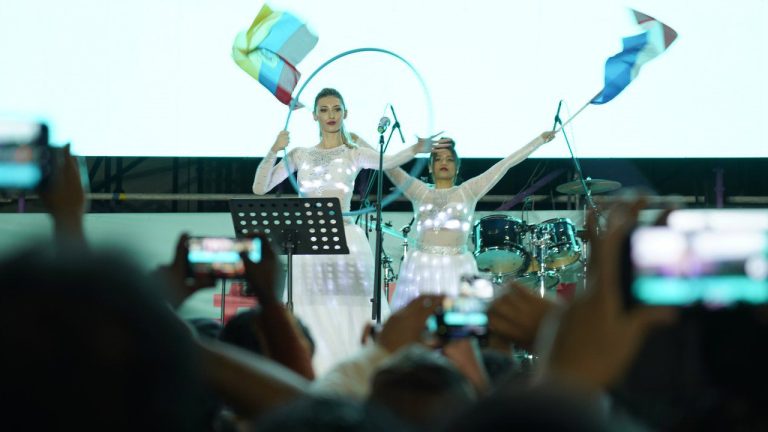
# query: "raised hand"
{"points": [[284, 340], [597, 338], [547, 136], [465, 355], [406, 326], [176, 274], [514, 318], [282, 141], [429, 144], [65, 199], [265, 276]]}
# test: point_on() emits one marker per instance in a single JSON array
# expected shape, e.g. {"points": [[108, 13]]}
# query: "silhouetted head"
{"points": [[324, 414], [89, 343], [244, 331], [421, 387]]}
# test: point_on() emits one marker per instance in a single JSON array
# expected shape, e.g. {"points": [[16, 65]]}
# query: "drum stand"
{"points": [[584, 262], [540, 247], [389, 274], [405, 230], [525, 358]]}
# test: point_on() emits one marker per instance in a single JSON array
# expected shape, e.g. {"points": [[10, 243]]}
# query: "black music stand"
{"points": [[294, 226]]}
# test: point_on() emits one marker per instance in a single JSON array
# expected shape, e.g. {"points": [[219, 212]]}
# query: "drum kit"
{"points": [[531, 255], [534, 255]]}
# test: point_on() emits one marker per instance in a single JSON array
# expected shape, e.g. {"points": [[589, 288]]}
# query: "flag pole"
{"points": [[562, 125]]}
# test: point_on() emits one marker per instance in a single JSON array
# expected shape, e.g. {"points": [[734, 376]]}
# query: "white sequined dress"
{"points": [[331, 293], [443, 219]]}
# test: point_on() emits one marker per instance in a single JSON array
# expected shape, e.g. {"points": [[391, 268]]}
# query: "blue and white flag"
{"points": [[622, 68]]}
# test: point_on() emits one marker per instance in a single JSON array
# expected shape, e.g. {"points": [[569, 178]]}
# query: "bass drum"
{"points": [[500, 245]]}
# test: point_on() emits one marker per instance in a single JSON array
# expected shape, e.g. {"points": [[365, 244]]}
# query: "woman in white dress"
{"points": [[331, 293], [443, 216]]}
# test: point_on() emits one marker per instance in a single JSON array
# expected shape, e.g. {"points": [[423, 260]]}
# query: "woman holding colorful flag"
{"points": [[443, 214], [331, 293]]}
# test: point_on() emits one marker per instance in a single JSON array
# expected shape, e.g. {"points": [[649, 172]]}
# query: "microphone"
{"points": [[397, 123], [383, 124], [557, 115]]}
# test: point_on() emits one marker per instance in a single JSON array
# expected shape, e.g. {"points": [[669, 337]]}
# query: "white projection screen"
{"points": [[155, 77]]}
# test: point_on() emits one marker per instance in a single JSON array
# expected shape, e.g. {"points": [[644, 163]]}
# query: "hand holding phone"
{"points": [[25, 156], [710, 258], [220, 256], [464, 315]]}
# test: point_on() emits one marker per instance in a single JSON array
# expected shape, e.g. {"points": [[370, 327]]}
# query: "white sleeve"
{"points": [[480, 185], [412, 188], [369, 158], [268, 175]]}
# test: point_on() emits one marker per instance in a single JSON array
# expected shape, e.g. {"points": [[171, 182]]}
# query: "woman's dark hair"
{"points": [[452, 149]]}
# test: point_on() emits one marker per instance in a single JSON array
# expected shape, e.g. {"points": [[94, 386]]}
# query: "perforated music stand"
{"points": [[294, 226]]}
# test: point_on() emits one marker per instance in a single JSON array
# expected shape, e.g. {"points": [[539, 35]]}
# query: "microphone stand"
{"points": [[376, 312], [364, 197], [577, 165], [396, 125]]}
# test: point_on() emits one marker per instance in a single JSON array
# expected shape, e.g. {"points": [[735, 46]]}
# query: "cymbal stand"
{"points": [[539, 242], [579, 172], [405, 230], [584, 257], [389, 274]]}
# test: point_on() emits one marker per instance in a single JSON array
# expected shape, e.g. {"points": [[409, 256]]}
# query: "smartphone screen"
{"points": [[687, 264], [220, 256], [464, 315], [22, 154]]}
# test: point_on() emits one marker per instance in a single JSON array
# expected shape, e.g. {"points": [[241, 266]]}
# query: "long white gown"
{"points": [[331, 293], [443, 221]]}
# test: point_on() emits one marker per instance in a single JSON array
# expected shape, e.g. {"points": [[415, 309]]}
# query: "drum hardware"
{"points": [[563, 246], [594, 186], [533, 255], [386, 228], [497, 279], [389, 273], [499, 245], [540, 242], [405, 230]]}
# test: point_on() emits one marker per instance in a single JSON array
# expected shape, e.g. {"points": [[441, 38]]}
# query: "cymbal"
{"points": [[596, 186]]}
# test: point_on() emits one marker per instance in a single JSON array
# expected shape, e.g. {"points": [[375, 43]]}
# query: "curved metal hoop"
{"points": [[418, 166]]}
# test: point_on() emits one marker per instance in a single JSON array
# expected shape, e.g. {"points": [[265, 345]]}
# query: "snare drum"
{"points": [[561, 246], [499, 245]]}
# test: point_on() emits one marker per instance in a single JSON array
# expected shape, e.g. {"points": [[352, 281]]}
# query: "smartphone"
{"points": [[220, 256], [464, 315], [710, 259], [25, 156]]}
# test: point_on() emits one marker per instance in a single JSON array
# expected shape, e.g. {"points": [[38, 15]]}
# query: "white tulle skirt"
{"points": [[435, 270], [331, 295]]}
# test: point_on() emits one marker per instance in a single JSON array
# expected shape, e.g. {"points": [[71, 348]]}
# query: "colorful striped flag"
{"points": [[622, 68], [270, 50]]}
